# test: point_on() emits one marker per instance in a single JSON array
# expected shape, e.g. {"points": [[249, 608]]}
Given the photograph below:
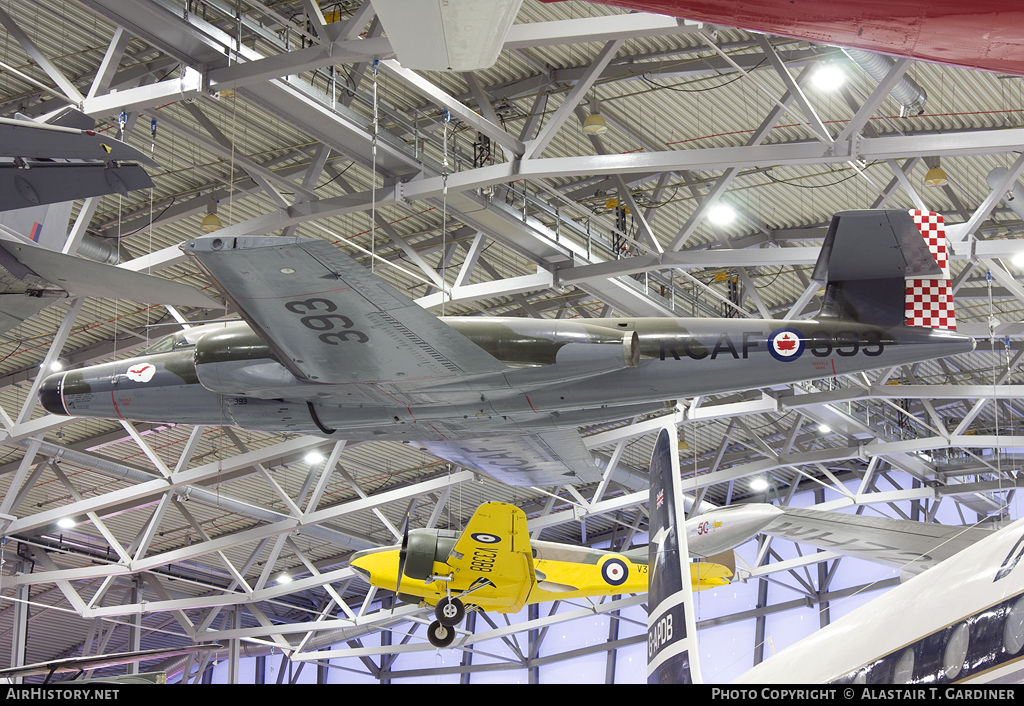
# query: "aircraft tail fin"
{"points": [[45, 225], [671, 623], [887, 267]]}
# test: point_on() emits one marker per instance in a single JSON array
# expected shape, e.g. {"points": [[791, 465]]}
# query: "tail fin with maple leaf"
{"points": [[887, 267]]}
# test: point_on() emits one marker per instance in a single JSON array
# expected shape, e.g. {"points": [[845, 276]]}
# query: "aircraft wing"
{"points": [[328, 319], [66, 164], [32, 140], [555, 457], [57, 182], [495, 547], [904, 544], [34, 265]]}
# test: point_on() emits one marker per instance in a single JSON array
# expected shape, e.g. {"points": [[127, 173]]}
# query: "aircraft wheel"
{"points": [[440, 635], [449, 613]]}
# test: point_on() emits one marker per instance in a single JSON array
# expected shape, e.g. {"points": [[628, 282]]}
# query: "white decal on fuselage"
{"points": [[141, 372]]}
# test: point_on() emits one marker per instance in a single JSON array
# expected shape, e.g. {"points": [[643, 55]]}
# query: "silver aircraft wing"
{"points": [[35, 265], [903, 544], [555, 457], [330, 320]]}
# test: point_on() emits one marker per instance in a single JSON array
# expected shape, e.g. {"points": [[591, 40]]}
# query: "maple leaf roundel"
{"points": [[785, 344]]}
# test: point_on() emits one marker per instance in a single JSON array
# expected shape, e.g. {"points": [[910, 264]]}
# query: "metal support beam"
{"points": [[536, 146]]}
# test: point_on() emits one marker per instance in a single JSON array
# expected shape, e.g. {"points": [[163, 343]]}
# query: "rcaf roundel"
{"points": [[785, 344]]}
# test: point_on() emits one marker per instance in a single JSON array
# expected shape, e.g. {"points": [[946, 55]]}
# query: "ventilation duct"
{"points": [[906, 92], [99, 250]]}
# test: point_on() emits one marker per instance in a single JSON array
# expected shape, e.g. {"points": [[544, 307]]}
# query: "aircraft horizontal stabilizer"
{"points": [[57, 182], [888, 268], [705, 574], [878, 244]]}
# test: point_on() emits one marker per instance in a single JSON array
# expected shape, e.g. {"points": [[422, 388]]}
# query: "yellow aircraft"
{"points": [[493, 565]]}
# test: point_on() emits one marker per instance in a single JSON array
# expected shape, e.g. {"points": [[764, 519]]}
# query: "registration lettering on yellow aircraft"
{"points": [[493, 566]]}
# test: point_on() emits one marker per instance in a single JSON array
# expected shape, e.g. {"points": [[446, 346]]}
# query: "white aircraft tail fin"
{"points": [[671, 623]]}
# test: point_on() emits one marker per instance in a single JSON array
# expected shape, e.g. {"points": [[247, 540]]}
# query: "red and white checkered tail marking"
{"points": [[929, 300], [929, 304]]}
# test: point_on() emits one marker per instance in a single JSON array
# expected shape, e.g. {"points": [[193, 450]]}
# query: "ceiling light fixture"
{"points": [[314, 457], [936, 176], [595, 124], [829, 77], [758, 484], [824, 428], [66, 523], [721, 214], [211, 221]]}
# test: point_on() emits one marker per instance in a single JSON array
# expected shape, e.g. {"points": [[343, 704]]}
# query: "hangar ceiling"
{"points": [[483, 196]]}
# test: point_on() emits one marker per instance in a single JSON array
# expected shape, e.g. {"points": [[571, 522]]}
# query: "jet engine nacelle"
{"points": [[233, 360], [542, 342]]}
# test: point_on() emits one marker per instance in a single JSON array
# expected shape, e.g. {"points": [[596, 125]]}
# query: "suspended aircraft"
{"points": [[493, 565], [960, 621], [32, 266], [986, 35], [53, 161], [329, 348], [42, 166]]}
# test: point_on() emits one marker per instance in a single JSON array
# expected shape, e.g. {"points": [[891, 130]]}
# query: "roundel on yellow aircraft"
{"points": [[615, 571]]}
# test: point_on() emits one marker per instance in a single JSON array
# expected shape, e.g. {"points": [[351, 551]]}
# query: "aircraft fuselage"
{"points": [[587, 372]]}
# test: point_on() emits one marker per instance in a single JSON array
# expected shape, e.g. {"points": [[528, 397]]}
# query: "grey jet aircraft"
{"points": [[328, 348]]}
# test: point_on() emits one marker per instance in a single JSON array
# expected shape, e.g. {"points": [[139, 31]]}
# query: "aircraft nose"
{"points": [[50, 396]]}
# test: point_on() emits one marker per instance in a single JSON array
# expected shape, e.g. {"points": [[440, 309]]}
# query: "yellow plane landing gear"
{"points": [[440, 636], [449, 611]]}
